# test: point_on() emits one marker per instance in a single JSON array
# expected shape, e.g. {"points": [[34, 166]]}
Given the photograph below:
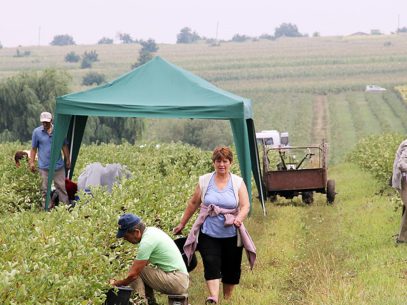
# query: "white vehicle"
{"points": [[374, 88], [272, 138]]}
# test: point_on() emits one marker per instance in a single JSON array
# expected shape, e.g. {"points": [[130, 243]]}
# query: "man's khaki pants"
{"points": [[59, 183], [153, 278], [403, 194]]}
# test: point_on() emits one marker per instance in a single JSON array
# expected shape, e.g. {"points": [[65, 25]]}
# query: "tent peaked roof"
{"points": [[153, 90], [156, 89]]}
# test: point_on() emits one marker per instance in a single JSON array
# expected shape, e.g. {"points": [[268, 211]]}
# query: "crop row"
{"points": [[376, 154], [403, 92], [66, 256]]}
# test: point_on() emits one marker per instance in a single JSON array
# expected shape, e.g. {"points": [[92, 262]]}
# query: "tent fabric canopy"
{"points": [[157, 89]]}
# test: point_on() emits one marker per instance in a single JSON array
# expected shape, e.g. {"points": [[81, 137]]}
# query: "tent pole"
{"points": [[261, 186], [71, 146]]}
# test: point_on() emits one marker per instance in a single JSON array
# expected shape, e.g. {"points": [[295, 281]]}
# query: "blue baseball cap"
{"points": [[126, 222]]}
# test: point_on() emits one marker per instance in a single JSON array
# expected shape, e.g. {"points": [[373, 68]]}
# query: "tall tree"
{"points": [[105, 40], [287, 29], [28, 95], [146, 52], [126, 38], [187, 36], [62, 40], [149, 45]]}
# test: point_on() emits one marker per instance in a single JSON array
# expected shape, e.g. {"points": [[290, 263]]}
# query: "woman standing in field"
{"points": [[219, 233]]}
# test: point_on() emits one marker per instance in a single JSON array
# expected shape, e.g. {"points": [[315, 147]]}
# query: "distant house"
{"points": [[374, 88], [359, 34], [375, 32]]}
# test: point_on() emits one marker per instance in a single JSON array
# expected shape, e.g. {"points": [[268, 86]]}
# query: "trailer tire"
{"points": [[330, 191], [307, 197], [273, 198]]}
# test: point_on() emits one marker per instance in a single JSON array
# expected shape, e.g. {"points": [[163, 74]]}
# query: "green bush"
{"points": [[240, 38], [105, 40], [67, 257], [25, 53], [93, 78], [28, 94], [91, 55], [72, 57], [376, 154], [19, 187], [62, 40], [86, 63]]}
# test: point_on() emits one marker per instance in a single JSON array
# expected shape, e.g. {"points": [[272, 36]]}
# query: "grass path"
{"points": [[319, 120], [320, 254]]}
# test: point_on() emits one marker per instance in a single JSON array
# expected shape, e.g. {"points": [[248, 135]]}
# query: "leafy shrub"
{"points": [[62, 40], [187, 36], [288, 30], [240, 38], [72, 57], [126, 38], [28, 94], [91, 55], [144, 56], [86, 63], [88, 58], [25, 53], [266, 36], [145, 53], [93, 78], [20, 188], [376, 154], [67, 257], [105, 40], [149, 45]]}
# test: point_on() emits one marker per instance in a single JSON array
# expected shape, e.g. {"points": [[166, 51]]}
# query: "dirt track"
{"points": [[320, 119]]}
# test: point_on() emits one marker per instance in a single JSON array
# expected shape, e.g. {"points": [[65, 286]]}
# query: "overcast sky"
{"points": [[33, 22]]}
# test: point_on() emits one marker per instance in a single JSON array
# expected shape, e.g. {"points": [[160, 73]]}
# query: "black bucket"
{"points": [[180, 242], [122, 297]]}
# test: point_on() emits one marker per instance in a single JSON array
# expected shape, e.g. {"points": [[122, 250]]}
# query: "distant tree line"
{"points": [[186, 35]]}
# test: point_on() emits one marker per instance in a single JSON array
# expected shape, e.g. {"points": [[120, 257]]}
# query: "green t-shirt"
{"points": [[160, 250]]}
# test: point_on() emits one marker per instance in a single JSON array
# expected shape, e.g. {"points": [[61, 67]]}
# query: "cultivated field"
{"points": [[317, 254], [321, 254], [311, 87]]}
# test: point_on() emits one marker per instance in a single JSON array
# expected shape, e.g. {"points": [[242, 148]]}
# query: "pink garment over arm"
{"points": [[230, 215]]}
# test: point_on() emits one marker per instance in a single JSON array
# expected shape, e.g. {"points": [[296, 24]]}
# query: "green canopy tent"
{"points": [[157, 89]]}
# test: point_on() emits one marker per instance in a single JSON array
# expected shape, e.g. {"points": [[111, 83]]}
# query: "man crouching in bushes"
{"points": [[158, 264]]}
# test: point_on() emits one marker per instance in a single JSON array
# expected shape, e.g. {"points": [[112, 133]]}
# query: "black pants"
{"points": [[221, 258]]}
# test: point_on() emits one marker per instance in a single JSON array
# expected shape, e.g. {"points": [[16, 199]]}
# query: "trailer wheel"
{"points": [[307, 197], [330, 191], [273, 198]]}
